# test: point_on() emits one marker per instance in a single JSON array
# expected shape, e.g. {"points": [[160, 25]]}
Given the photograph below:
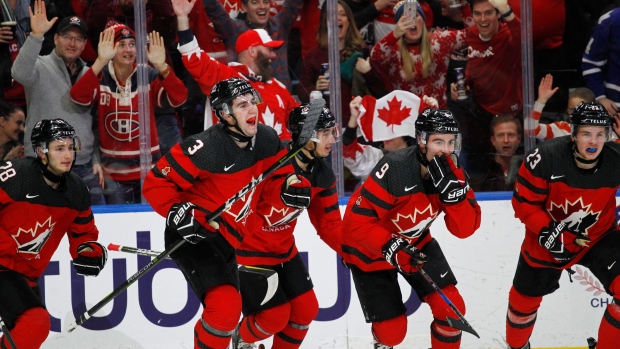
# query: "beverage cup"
{"points": [[12, 25]]}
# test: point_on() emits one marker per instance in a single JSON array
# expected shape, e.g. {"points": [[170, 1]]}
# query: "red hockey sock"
{"points": [[609, 330], [31, 329], [264, 324], [304, 309], [442, 335], [390, 332], [219, 318], [521, 318]]}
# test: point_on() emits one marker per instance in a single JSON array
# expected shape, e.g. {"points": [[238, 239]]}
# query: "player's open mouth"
{"points": [[591, 150], [251, 120]]}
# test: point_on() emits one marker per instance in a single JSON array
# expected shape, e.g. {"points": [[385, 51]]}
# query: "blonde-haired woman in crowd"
{"points": [[414, 59]]}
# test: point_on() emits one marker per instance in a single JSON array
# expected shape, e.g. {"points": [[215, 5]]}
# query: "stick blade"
{"points": [[314, 112], [461, 325]]}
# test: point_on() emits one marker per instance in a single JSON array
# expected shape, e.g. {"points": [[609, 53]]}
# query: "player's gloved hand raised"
{"points": [[449, 180], [184, 219], [296, 191], [91, 258], [554, 238], [405, 257]]}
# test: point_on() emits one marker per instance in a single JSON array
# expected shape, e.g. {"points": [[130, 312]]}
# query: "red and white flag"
{"points": [[389, 117]]}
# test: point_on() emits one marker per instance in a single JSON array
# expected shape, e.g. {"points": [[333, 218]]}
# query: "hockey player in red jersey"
{"points": [[42, 201], [287, 316], [200, 174], [565, 194], [386, 230]]}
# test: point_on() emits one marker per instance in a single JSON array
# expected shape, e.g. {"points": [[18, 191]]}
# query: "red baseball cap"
{"points": [[256, 37]]}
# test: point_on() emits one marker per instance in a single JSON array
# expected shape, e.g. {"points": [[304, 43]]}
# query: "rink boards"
{"points": [[160, 311]]}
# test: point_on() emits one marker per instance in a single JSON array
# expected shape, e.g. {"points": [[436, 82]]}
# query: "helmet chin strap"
{"points": [[422, 157], [582, 160], [240, 137], [54, 178], [305, 158]]}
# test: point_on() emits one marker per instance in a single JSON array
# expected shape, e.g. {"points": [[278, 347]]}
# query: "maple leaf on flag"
{"points": [[393, 114]]}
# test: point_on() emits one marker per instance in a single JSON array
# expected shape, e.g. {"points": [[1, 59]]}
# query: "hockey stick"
{"points": [[592, 343], [7, 335], [461, 323], [269, 274], [314, 112]]}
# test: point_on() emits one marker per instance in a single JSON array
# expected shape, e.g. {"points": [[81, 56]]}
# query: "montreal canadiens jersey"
{"points": [[209, 168], [550, 187], [34, 217], [272, 242], [397, 201]]}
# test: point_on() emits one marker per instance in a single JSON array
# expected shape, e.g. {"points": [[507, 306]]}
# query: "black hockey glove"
{"points": [[182, 219], [405, 257], [296, 191], [91, 258], [553, 237], [450, 181]]}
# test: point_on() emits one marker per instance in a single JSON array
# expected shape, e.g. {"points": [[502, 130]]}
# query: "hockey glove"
{"points": [[406, 258], [553, 236], [182, 219], [91, 258], [450, 181], [296, 191]]}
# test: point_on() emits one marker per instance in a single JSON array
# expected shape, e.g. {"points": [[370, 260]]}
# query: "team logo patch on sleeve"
{"points": [[165, 171]]}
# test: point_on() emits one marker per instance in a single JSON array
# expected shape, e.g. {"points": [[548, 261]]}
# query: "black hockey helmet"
{"points": [[590, 114], [433, 120], [225, 91], [297, 119], [48, 130]]}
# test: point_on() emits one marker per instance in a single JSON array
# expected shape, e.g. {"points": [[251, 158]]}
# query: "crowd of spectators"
{"points": [[76, 60]]}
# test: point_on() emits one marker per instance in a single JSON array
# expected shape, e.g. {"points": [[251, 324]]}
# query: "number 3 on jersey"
{"points": [[382, 170], [533, 159], [194, 149], [7, 171]]}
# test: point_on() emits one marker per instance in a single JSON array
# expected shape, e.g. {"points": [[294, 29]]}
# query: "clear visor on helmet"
{"points": [[70, 143], [242, 103], [326, 135], [440, 144], [588, 136]]}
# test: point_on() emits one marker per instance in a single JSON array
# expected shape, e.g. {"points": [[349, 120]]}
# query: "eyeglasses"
{"points": [[69, 38]]}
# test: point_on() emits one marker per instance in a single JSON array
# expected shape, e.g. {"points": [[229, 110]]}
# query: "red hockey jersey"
{"points": [[209, 168], [272, 241], [117, 115], [34, 217], [550, 187], [397, 201]]}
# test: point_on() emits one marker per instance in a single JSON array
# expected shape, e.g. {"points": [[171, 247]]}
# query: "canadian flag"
{"points": [[391, 116]]}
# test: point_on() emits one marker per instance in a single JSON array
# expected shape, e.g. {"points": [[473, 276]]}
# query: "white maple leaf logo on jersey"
{"points": [[577, 216], [31, 240], [413, 224], [283, 216]]}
